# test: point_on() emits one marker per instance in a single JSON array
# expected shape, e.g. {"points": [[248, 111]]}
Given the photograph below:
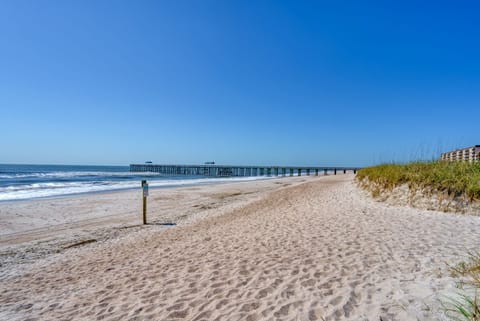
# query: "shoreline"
{"points": [[151, 187], [200, 181]]}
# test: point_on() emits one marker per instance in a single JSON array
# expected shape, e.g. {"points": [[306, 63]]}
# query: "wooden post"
{"points": [[316, 171], [144, 210], [144, 195], [334, 171]]}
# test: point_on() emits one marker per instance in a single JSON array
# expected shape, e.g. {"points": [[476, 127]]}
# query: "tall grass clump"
{"points": [[454, 178], [467, 306]]}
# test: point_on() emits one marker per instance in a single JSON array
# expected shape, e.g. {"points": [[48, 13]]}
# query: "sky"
{"points": [[326, 83]]}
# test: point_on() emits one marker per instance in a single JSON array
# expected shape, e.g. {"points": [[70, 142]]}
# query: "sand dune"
{"points": [[317, 250]]}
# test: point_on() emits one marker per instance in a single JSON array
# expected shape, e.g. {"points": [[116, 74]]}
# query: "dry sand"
{"points": [[277, 250]]}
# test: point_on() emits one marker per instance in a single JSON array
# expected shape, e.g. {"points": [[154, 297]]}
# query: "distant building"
{"points": [[470, 154]]}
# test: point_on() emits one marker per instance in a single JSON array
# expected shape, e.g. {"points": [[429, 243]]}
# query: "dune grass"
{"points": [[454, 178], [467, 307]]}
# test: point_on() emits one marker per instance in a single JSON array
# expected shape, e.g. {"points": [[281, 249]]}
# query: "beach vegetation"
{"points": [[455, 179], [467, 306]]}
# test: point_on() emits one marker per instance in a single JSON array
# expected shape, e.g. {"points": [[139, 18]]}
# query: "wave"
{"points": [[54, 189], [46, 175]]}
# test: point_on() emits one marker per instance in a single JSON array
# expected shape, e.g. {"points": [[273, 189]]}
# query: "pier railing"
{"points": [[238, 171]]}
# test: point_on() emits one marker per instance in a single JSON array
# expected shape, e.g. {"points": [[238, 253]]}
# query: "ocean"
{"points": [[20, 182]]}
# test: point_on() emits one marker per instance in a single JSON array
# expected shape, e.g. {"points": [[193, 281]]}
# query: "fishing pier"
{"points": [[238, 171]]}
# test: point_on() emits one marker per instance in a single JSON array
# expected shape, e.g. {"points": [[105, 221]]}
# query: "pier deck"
{"points": [[238, 171]]}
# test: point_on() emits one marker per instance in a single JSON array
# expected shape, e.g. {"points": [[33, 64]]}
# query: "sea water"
{"points": [[20, 182]]}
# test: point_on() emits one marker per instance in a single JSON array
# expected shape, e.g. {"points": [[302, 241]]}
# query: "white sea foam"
{"points": [[74, 174], [53, 189]]}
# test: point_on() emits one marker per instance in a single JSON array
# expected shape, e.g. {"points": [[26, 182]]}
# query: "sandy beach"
{"points": [[303, 248]]}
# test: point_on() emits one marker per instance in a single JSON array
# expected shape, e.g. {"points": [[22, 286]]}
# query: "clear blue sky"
{"points": [[237, 82]]}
